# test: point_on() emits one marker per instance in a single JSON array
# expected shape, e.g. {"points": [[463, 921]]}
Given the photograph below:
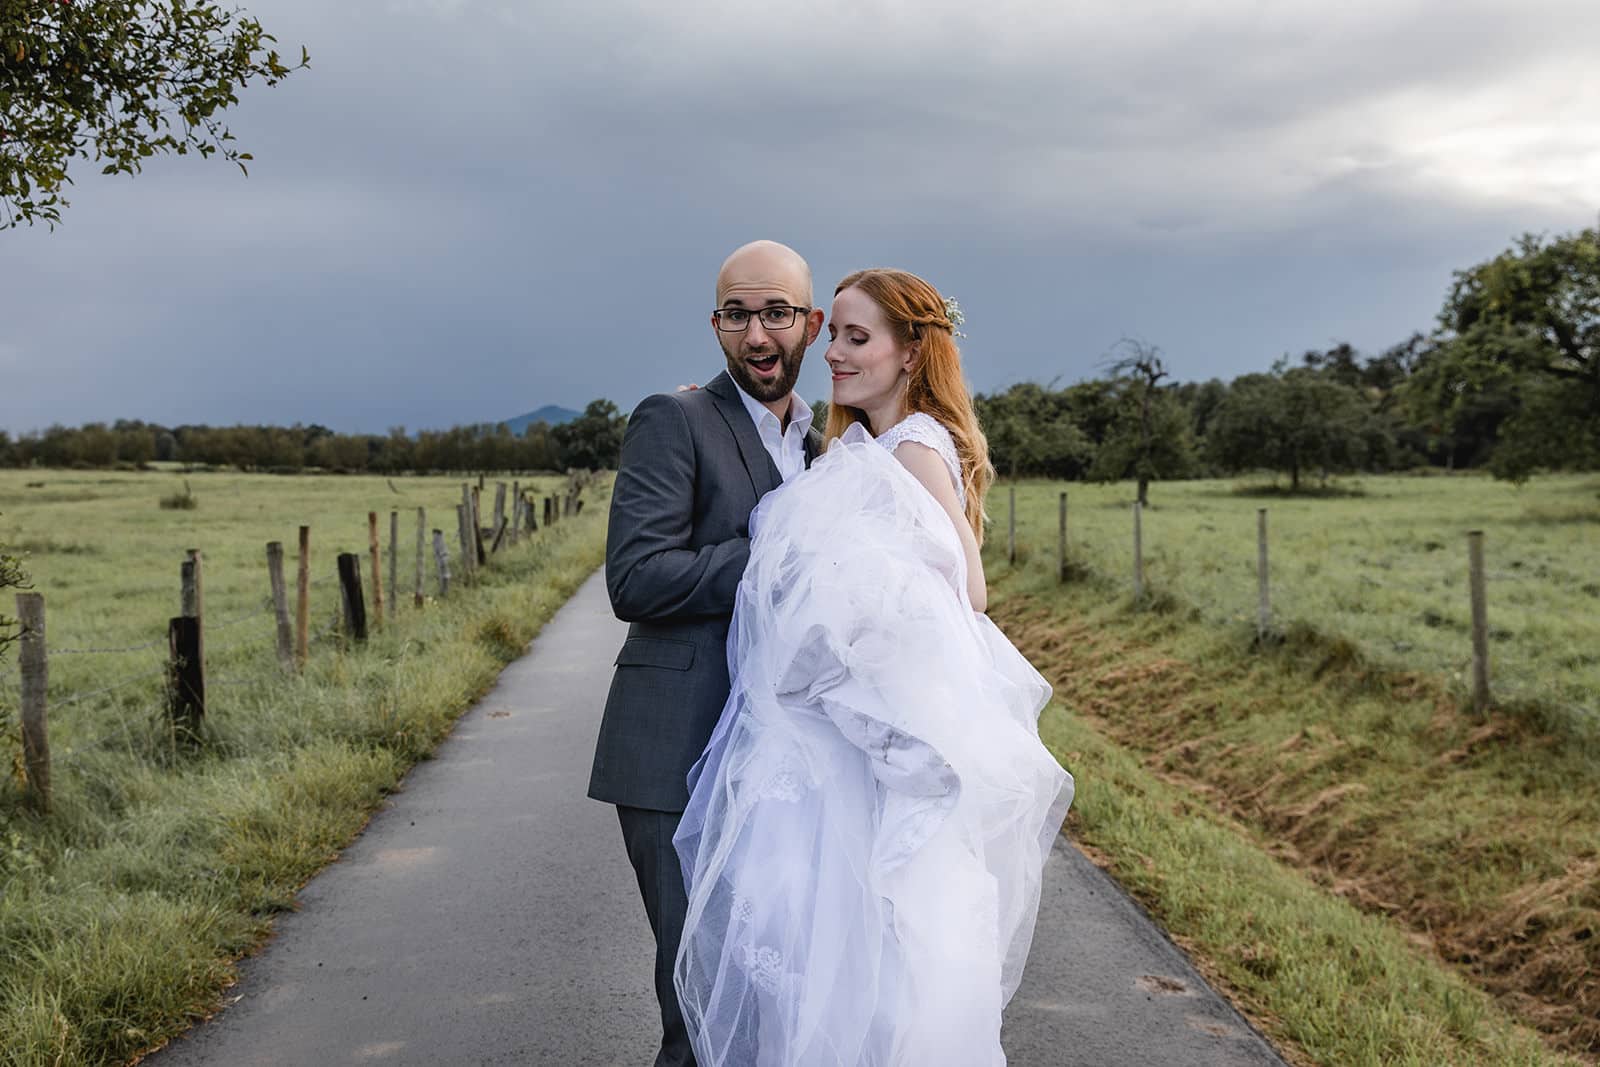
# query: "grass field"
{"points": [[121, 913], [1381, 562], [1349, 846]]}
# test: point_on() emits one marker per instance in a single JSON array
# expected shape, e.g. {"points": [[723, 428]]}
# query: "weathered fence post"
{"points": [[441, 558], [422, 562], [1264, 601], [466, 542], [1011, 527], [1480, 622], [194, 608], [302, 603], [34, 662], [394, 562], [375, 549], [499, 510], [1061, 542], [355, 605], [482, 556], [1138, 555], [280, 604], [548, 508], [527, 511], [186, 687]]}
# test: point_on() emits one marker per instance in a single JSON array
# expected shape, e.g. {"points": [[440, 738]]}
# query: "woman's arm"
{"points": [[929, 469]]}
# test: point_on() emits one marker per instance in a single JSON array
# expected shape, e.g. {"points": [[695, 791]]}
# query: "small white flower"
{"points": [[952, 311]]}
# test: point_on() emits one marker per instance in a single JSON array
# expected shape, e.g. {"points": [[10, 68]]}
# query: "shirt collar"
{"points": [[799, 411]]}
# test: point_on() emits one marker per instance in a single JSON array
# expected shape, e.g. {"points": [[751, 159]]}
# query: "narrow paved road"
{"points": [[489, 916]]}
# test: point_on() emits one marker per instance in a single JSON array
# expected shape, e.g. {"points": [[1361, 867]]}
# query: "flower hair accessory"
{"points": [[952, 311]]}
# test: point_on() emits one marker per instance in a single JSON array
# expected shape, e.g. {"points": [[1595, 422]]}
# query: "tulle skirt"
{"points": [[867, 827]]}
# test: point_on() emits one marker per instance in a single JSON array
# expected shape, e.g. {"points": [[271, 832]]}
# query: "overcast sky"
{"points": [[466, 210]]}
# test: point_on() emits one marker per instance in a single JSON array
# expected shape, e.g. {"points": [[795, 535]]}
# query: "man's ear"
{"points": [[813, 325]]}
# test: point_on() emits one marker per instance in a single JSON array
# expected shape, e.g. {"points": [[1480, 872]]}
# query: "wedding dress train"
{"points": [[867, 827]]}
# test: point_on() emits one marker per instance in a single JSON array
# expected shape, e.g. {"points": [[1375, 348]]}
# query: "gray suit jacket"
{"points": [[692, 469]]}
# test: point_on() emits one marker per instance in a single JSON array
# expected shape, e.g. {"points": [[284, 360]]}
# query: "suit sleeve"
{"points": [[652, 573]]}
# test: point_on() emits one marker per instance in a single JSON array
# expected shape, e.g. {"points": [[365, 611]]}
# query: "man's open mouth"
{"points": [[766, 364]]}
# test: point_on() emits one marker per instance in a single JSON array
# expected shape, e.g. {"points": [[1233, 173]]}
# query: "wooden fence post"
{"points": [[34, 662], [302, 603], [280, 604], [466, 542], [547, 511], [375, 549], [482, 556], [1138, 555], [441, 558], [194, 608], [527, 511], [394, 562], [355, 605], [1480, 622], [1061, 542], [499, 510], [422, 562], [1263, 599], [186, 688]]}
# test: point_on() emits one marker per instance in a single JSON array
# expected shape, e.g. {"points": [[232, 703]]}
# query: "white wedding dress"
{"points": [[867, 827]]}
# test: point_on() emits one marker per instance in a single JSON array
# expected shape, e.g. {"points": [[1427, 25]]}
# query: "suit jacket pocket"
{"points": [[661, 652]]}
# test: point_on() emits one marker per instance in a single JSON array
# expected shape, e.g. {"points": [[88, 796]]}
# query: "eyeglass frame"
{"points": [[796, 314]]}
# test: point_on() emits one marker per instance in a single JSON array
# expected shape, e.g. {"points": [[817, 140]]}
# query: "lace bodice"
{"points": [[924, 429]]}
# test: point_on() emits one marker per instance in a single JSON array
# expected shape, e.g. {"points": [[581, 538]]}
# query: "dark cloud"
{"points": [[468, 210]]}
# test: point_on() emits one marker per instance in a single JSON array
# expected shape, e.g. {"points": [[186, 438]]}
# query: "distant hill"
{"points": [[550, 414]]}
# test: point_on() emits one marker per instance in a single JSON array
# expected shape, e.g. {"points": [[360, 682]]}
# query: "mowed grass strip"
{"points": [[122, 913], [1471, 841]]}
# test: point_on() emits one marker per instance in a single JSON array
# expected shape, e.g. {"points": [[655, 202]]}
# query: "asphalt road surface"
{"points": [[488, 915]]}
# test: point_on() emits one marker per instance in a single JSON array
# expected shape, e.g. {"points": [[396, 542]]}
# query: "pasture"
{"points": [[1378, 561], [121, 912], [106, 557]]}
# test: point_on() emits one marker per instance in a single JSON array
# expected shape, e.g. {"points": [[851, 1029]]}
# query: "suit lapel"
{"points": [[812, 445], [757, 461]]}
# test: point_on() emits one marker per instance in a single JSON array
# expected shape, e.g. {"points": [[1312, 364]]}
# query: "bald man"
{"points": [[694, 464]]}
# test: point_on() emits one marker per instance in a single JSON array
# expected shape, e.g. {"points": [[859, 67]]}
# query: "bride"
{"points": [[867, 826]]}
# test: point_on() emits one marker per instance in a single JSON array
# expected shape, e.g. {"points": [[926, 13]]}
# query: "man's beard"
{"points": [[788, 366]]}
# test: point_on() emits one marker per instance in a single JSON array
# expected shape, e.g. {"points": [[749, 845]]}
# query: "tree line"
{"points": [[591, 441], [1508, 380]]}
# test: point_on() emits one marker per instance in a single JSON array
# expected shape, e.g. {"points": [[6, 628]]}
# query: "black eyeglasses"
{"points": [[773, 317]]}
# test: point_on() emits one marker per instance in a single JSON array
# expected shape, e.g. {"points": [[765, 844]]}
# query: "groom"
{"points": [[693, 466]]}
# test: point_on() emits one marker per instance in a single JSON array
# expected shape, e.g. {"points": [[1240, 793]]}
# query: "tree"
{"points": [[12, 576], [1516, 367], [1031, 431], [117, 81], [593, 440], [1292, 420], [1149, 436]]}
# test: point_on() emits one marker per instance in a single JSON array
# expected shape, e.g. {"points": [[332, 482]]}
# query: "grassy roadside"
{"points": [[1353, 857], [121, 915]]}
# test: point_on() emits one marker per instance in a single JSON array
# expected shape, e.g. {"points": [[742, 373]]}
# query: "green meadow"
{"points": [[1376, 872], [1377, 561], [122, 912]]}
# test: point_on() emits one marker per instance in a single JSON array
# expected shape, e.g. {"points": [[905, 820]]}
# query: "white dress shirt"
{"points": [[785, 446]]}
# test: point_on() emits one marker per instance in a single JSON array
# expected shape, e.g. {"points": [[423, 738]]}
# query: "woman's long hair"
{"points": [[916, 314]]}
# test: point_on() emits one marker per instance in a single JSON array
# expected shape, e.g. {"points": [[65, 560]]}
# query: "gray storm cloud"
{"points": [[467, 210]]}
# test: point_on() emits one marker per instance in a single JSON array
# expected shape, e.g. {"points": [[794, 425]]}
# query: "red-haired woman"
{"points": [[867, 828]]}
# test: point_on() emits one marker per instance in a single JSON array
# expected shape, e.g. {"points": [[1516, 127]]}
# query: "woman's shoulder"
{"points": [[922, 428]]}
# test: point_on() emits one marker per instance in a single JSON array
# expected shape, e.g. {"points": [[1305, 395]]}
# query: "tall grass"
{"points": [[121, 913], [1477, 838], [1379, 561]]}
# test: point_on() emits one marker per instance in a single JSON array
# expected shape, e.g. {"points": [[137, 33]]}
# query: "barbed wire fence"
{"points": [[1253, 596], [164, 681]]}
